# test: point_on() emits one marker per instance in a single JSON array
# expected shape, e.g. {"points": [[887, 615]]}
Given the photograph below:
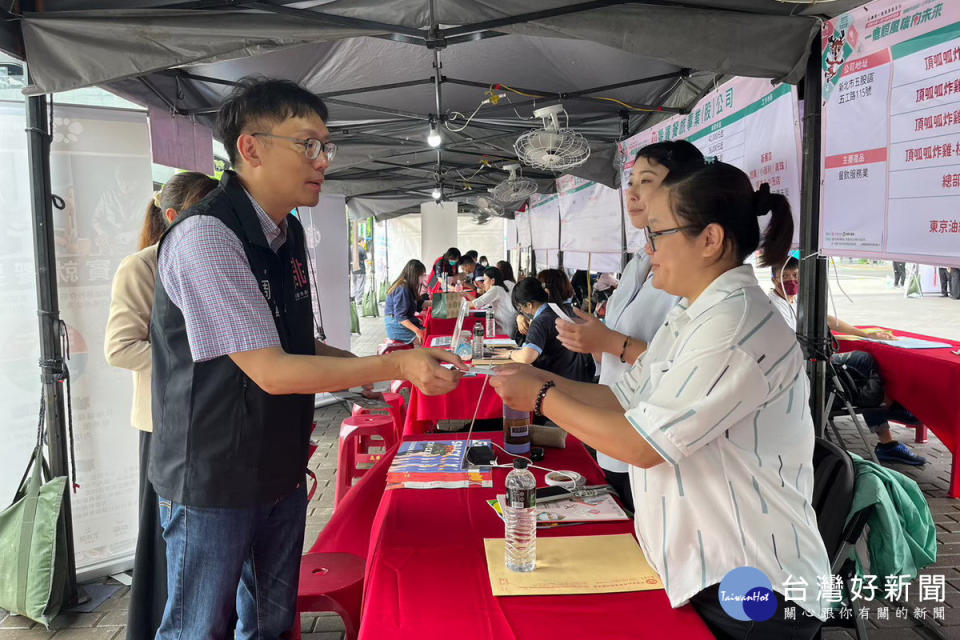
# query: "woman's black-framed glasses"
{"points": [[312, 148], [652, 235]]}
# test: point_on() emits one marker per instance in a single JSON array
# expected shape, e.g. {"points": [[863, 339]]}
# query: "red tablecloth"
{"points": [[423, 411], [426, 576], [926, 382], [349, 529]]}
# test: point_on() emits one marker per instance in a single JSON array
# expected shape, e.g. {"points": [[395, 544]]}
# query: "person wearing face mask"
{"points": [[636, 309], [403, 302], [444, 267], [493, 294], [712, 418], [786, 286]]}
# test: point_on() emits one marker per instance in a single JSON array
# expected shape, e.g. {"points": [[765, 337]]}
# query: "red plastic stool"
{"points": [[331, 582], [354, 431], [396, 411]]}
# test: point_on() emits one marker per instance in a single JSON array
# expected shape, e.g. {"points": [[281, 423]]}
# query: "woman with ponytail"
{"points": [[712, 419], [127, 345], [636, 309]]}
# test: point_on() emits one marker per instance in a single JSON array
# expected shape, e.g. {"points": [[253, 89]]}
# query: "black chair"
{"points": [[838, 404], [834, 482]]}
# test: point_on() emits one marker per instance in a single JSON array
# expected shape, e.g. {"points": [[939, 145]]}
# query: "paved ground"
{"points": [[873, 301]]}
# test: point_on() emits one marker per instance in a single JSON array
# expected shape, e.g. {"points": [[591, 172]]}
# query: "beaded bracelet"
{"points": [[549, 384], [623, 352]]}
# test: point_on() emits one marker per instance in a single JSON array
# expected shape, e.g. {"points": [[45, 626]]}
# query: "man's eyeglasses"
{"points": [[312, 148], [652, 235]]}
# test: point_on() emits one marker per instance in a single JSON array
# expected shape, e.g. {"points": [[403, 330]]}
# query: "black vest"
{"points": [[218, 439]]}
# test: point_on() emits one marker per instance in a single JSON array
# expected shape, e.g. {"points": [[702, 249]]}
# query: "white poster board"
{"points": [[100, 166], [590, 219], [891, 130], [524, 236], [746, 122], [325, 229], [510, 242], [20, 348], [545, 228]]}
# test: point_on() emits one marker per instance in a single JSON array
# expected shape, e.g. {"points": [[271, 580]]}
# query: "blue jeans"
{"points": [[221, 559], [398, 332]]}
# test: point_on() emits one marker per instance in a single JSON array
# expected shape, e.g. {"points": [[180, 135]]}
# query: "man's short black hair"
{"points": [[467, 259], [791, 263], [473, 254], [263, 102]]}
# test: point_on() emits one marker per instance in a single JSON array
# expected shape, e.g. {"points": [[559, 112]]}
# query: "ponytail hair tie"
{"points": [[156, 199], [761, 200]]}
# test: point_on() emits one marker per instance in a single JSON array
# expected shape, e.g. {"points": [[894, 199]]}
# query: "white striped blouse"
{"points": [[722, 395]]}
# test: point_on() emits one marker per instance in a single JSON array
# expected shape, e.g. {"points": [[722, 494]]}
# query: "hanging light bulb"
{"points": [[436, 193], [434, 139]]}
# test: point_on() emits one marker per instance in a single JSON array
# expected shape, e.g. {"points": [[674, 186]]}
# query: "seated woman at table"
{"points": [[559, 288], [403, 302], [493, 294], [541, 348], [712, 419], [559, 291], [783, 295], [509, 280]]}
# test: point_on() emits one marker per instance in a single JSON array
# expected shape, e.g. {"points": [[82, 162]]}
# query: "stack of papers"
{"points": [[572, 565]]}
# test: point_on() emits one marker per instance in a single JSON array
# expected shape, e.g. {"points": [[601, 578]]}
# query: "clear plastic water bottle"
{"points": [[520, 514], [491, 325], [477, 341]]}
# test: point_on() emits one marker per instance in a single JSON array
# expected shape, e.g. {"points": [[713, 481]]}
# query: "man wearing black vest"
{"points": [[235, 367]]}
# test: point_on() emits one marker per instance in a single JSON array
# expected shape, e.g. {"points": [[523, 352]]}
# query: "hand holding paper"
{"points": [[586, 335]]}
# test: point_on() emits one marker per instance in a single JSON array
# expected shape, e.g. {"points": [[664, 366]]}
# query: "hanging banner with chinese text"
{"points": [[545, 228], [891, 131], [746, 122], [100, 167], [590, 224]]}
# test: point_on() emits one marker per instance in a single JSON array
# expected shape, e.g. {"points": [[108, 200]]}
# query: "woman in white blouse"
{"points": [[636, 309], [713, 418], [494, 294]]}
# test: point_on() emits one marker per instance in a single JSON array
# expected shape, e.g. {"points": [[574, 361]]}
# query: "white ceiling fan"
{"points": [[515, 188], [553, 147]]}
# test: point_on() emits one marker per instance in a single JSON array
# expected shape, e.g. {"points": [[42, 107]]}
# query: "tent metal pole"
{"points": [[48, 311], [382, 87], [437, 82], [812, 311]]}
